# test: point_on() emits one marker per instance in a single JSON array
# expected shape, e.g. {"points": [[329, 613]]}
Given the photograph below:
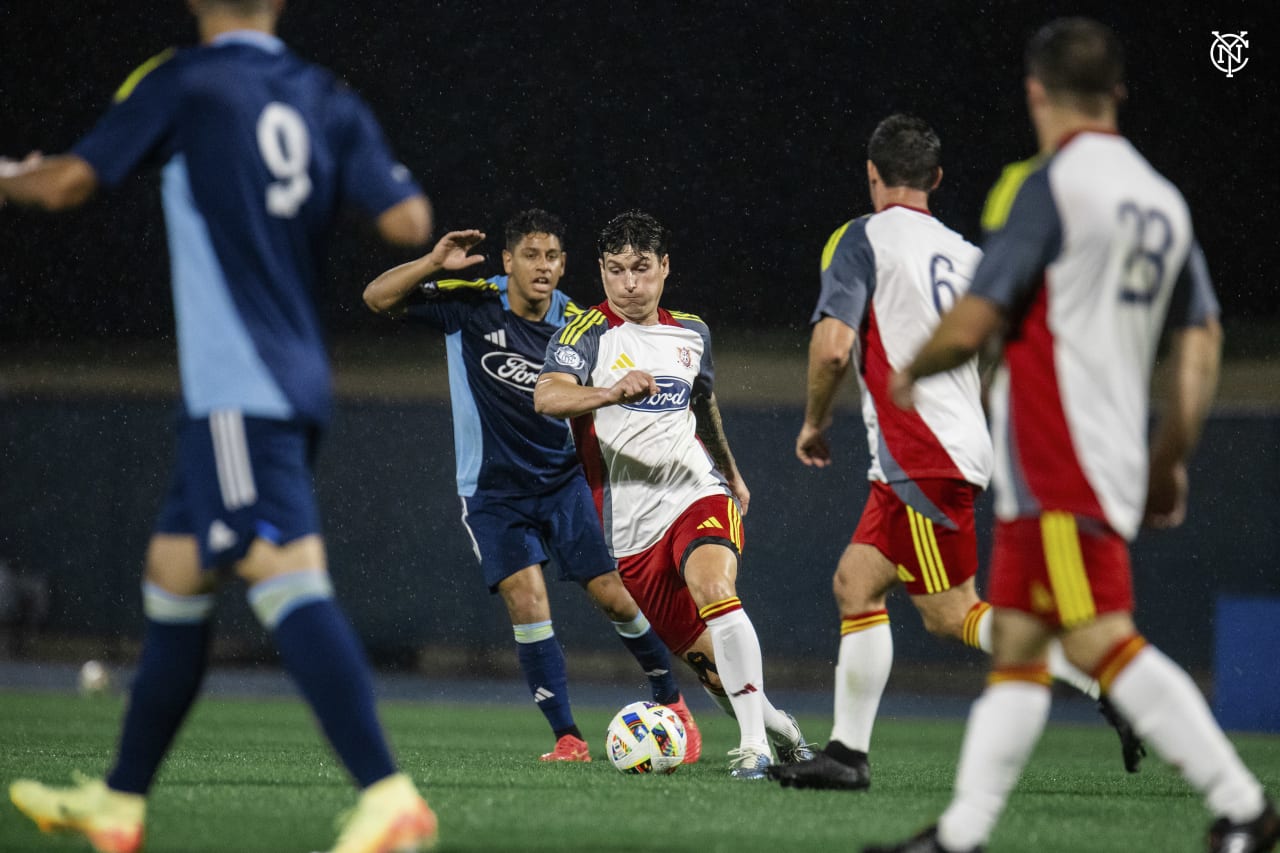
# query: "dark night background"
{"points": [[741, 126]]}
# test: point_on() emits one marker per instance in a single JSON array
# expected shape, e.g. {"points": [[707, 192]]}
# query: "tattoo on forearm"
{"points": [[710, 429]]}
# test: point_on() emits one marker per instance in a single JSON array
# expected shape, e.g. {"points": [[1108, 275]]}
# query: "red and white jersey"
{"points": [[643, 460], [1091, 254], [891, 276]]}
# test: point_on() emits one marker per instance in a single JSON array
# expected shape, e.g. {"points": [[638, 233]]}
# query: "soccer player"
{"points": [[886, 280], [524, 498], [637, 380], [1091, 255], [258, 149]]}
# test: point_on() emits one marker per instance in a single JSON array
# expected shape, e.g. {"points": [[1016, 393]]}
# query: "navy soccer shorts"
{"points": [[238, 478], [512, 533]]}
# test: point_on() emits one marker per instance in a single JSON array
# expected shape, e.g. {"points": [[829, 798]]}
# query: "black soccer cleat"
{"points": [[925, 842], [823, 772], [1257, 836], [1131, 746]]}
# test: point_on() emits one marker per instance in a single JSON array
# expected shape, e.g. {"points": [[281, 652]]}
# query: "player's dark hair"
{"points": [[1077, 57], [636, 229], [535, 220], [906, 152]]}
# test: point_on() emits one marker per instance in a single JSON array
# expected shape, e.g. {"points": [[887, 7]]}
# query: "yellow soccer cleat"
{"points": [[111, 820], [391, 817]]}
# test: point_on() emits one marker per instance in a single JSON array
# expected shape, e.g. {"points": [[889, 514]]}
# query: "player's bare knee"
{"points": [[265, 560], [609, 594], [943, 622], [173, 565]]}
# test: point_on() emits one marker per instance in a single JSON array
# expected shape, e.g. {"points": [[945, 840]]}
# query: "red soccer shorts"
{"points": [[1062, 569], [930, 556], [655, 576]]}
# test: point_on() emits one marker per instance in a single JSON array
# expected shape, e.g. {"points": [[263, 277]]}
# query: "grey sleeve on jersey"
{"points": [[849, 278], [1014, 257], [576, 358], [1193, 302], [704, 382]]}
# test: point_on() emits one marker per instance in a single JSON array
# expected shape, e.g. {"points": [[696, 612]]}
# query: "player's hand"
{"points": [[450, 253], [902, 390], [9, 168], [635, 386], [812, 448], [1166, 495], [741, 493]]}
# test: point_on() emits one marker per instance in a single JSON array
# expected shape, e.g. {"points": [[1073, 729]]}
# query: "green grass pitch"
{"points": [[252, 775]]}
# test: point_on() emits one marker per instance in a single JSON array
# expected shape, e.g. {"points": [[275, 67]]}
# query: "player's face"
{"points": [[535, 266], [633, 283]]}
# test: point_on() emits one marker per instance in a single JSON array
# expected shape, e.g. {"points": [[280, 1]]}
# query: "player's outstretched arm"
{"points": [[53, 183], [710, 429], [559, 395], [407, 223], [830, 353], [961, 334], [387, 292], [1196, 354]]}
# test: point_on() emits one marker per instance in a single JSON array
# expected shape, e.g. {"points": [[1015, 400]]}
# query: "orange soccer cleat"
{"points": [[569, 748], [692, 737]]}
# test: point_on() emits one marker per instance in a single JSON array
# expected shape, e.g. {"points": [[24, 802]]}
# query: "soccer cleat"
{"points": [[569, 748], [1131, 747], [692, 737], [923, 842], [823, 772], [748, 763], [791, 748], [391, 817], [112, 821], [1257, 836]]}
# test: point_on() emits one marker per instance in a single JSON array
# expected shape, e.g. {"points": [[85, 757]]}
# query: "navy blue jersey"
{"points": [[258, 149], [503, 446]]}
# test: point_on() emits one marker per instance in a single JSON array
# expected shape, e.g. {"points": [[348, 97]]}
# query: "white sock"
{"points": [[721, 699], [1062, 669], [1059, 667], [777, 722], [862, 670], [741, 669], [1003, 729], [1167, 710]]}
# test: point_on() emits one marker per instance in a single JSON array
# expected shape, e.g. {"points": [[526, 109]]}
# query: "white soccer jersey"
{"points": [[891, 276], [1093, 251], [643, 460]]}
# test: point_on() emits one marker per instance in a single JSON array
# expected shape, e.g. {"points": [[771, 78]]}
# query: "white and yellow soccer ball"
{"points": [[645, 737]]}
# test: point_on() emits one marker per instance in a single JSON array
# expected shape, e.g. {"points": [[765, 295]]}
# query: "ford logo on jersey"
{"points": [[673, 396], [511, 369]]}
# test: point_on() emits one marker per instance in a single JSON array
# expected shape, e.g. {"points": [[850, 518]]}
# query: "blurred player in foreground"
{"points": [[637, 380], [1092, 254], [887, 278], [258, 149], [524, 498]]}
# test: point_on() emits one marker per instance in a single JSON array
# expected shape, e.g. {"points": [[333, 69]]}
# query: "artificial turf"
{"points": [[253, 775]]}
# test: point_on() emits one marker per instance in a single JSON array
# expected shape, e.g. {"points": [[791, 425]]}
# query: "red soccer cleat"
{"points": [[569, 748], [692, 737]]}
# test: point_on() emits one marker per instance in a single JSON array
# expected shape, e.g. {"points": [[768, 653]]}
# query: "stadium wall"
{"points": [[83, 479]]}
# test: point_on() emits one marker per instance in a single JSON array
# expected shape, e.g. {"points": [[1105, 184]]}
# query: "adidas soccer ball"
{"points": [[646, 737]]}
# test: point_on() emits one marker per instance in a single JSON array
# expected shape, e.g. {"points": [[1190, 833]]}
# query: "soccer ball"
{"points": [[95, 679], [646, 737]]}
